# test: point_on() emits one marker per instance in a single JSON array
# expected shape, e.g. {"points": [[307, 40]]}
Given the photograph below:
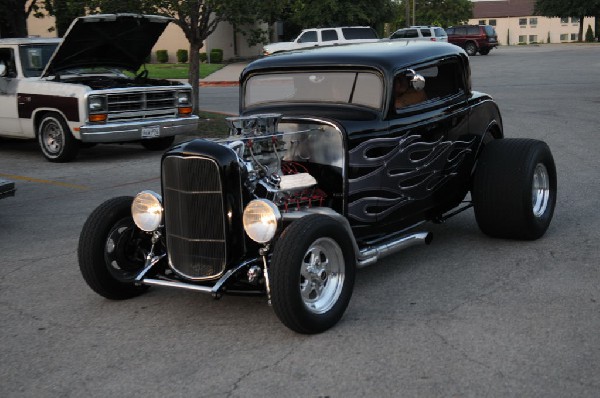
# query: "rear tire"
{"points": [[158, 144], [312, 274], [514, 189], [484, 51]]}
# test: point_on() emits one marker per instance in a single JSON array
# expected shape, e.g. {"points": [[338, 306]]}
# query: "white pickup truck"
{"points": [[74, 92], [325, 37]]}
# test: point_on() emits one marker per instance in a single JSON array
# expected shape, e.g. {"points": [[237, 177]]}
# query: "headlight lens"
{"points": [[97, 104], [147, 211], [183, 98], [261, 218]]}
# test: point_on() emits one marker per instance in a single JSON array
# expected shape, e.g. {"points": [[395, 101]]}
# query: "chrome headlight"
{"points": [[261, 218], [147, 211], [97, 104], [183, 98]]}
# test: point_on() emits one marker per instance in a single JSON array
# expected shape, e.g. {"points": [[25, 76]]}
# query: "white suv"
{"points": [[430, 33]]}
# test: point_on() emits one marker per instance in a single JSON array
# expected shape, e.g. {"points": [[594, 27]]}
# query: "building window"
{"points": [[482, 22], [564, 21], [575, 20], [522, 39], [574, 36], [522, 22], [533, 39], [533, 21], [564, 37], [493, 22]]}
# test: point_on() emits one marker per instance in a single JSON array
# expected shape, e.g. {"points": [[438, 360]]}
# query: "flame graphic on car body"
{"points": [[405, 168]]}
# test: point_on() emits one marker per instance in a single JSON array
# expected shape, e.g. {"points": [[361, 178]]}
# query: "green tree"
{"points": [[324, 13], [568, 8], [14, 14], [433, 12], [64, 12]]}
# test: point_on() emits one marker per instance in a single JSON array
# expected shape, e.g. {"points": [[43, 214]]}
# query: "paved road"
{"points": [[467, 316]]}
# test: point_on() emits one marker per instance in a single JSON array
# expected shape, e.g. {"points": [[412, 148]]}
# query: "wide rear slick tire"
{"points": [[111, 250], [312, 274], [514, 189]]}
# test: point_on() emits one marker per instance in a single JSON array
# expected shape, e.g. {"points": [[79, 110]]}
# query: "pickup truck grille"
{"points": [[142, 105], [194, 217]]}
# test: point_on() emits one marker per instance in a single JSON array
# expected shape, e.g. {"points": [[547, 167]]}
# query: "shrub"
{"points": [[216, 56], [182, 56], [589, 35], [203, 57], [162, 56]]}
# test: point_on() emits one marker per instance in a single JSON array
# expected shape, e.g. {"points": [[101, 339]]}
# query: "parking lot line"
{"points": [[41, 181]]}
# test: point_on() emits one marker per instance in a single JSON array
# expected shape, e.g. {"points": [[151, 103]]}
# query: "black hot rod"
{"points": [[338, 157]]}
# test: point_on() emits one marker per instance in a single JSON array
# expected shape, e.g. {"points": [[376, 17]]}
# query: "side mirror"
{"points": [[2, 69]]}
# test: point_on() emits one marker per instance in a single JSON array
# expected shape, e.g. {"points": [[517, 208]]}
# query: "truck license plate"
{"points": [[151, 132]]}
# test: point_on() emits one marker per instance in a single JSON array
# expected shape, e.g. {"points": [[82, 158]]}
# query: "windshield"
{"points": [[35, 57], [357, 88]]}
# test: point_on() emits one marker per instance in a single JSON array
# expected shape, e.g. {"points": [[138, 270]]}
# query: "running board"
{"points": [[372, 254]]}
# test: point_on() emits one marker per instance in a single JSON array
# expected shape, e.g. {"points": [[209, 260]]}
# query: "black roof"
{"points": [[386, 55]]}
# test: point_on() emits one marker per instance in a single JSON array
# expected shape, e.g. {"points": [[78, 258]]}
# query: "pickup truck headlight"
{"points": [[261, 218], [97, 104], [147, 211], [183, 98]]}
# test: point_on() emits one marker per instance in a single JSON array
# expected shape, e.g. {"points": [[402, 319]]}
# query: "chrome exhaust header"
{"points": [[372, 254]]}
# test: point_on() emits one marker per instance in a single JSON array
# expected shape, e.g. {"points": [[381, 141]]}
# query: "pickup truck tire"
{"points": [[484, 51], [55, 139], [312, 274], [158, 144], [112, 250], [514, 189]]}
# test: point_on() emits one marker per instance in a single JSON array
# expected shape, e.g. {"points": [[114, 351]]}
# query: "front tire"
{"points": [[112, 250], [471, 48], [55, 139], [514, 189], [484, 51], [312, 274]]}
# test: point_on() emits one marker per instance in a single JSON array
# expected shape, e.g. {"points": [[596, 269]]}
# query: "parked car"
{"points": [[327, 169], [72, 92], [473, 38], [429, 33], [7, 188], [325, 37]]}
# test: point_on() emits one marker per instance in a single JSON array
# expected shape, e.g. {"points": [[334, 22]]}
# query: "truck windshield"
{"points": [[35, 57], [356, 88]]}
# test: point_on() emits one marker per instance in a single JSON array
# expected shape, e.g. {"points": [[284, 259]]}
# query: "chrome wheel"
{"points": [[322, 275], [52, 136], [540, 190]]}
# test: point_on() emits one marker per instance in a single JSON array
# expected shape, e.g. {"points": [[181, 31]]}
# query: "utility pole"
{"points": [[407, 19], [414, 11]]}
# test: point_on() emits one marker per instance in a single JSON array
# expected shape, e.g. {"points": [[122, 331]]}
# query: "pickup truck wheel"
{"points": [[55, 139], [312, 274], [514, 189], [484, 51], [470, 48], [158, 144], [112, 250]]}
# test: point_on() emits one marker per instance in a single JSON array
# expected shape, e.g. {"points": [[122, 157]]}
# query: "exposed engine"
{"points": [[279, 164]]}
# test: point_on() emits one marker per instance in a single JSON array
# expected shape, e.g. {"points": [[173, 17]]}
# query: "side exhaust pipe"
{"points": [[371, 255]]}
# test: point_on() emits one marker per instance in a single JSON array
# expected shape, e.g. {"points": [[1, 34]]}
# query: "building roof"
{"points": [[502, 9]]}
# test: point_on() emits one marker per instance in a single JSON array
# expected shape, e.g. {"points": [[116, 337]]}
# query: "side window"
{"points": [[473, 30], [425, 32], [7, 57], [411, 33], [398, 35], [442, 81], [308, 37], [460, 31], [439, 32], [329, 35]]}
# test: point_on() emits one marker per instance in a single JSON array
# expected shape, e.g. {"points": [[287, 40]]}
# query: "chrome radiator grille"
{"points": [[194, 216], [142, 105]]}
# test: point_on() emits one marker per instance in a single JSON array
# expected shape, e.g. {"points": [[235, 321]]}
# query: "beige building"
{"points": [[515, 23], [173, 39]]}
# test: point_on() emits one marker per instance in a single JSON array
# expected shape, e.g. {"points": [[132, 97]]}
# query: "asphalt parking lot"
{"points": [[467, 316]]}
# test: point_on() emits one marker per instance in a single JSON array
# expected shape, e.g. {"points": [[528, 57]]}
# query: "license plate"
{"points": [[151, 132]]}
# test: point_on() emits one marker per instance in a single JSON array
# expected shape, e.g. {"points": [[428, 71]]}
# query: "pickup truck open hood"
{"points": [[107, 40]]}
